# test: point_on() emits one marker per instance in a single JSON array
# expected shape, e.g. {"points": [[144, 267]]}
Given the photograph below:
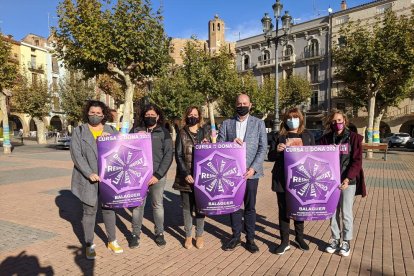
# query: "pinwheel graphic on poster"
{"points": [[219, 183], [125, 167], [312, 181]]}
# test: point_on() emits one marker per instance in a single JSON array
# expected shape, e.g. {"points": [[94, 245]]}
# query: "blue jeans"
{"points": [[344, 211], [156, 192]]}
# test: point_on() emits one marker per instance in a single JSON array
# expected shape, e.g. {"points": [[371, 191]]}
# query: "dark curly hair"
{"points": [[157, 110], [93, 103]]}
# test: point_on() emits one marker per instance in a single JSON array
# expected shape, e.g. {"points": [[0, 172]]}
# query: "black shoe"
{"points": [[282, 248], [159, 240], [251, 246], [232, 244], [134, 242], [301, 244]]}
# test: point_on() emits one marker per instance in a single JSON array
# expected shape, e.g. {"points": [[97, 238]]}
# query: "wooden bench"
{"points": [[376, 147]]}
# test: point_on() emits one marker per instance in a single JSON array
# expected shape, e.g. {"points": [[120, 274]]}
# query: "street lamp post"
{"points": [[267, 30]]}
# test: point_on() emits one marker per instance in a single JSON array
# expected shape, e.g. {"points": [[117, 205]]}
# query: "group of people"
{"points": [[242, 128]]}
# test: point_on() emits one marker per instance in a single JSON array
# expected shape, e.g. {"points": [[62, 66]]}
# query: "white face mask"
{"points": [[293, 123]]}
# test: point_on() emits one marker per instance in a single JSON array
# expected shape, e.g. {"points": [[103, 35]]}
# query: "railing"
{"points": [[288, 58], [266, 63], [312, 54]]}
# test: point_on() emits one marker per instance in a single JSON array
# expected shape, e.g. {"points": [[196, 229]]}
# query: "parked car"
{"points": [[410, 143], [386, 138], [63, 143], [397, 139]]}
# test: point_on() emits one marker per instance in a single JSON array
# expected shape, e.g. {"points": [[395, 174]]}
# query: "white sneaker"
{"points": [[90, 252], [333, 246], [114, 246], [345, 249]]}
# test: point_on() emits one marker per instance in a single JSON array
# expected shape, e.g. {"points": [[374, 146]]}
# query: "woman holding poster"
{"points": [[292, 133], [191, 134], [85, 177], [151, 121], [350, 147]]}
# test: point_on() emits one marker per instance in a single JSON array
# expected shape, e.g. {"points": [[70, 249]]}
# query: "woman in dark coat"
{"points": [[352, 179], [191, 134], [152, 121], [292, 133]]}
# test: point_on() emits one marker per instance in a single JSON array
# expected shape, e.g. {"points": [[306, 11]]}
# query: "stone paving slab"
{"points": [[42, 209]]}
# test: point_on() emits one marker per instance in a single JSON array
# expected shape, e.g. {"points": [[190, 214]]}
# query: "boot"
{"points": [[188, 243], [200, 242]]}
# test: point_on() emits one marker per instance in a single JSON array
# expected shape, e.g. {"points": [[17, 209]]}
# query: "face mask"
{"points": [[150, 121], [95, 119], [293, 123], [242, 110], [337, 126], [191, 121]]}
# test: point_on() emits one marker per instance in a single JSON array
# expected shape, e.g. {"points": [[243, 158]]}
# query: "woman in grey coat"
{"points": [[85, 178]]}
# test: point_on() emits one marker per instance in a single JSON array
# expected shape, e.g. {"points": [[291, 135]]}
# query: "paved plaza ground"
{"points": [[40, 229]]}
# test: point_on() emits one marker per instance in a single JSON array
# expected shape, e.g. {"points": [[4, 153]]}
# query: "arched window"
{"points": [[266, 57], [213, 27], [288, 50], [246, 62], [314, 48], [218, 26]]}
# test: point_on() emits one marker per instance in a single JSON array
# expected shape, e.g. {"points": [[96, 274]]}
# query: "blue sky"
{"points": [[183, 18]]}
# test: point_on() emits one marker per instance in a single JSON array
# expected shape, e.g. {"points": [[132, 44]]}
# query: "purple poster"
{"points": [[312, 181], [125, 167], [219, 183]]}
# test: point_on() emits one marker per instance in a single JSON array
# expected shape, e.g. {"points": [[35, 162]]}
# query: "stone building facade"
{"points": [[307, 53]]}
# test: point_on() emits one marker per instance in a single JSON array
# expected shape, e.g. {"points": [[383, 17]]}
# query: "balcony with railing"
{"points": [[266, 63], [287, 59], [310, 54], [36, 68]]}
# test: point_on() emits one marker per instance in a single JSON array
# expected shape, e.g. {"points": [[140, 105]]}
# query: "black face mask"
{"points": [[150, 121], [192, 121], [242, 110]]}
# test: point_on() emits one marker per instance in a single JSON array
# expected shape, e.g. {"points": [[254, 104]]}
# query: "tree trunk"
{"points": [[377, 122], [212, 122], [41, 137], [6, 130], [128, 105], [371, 112]]}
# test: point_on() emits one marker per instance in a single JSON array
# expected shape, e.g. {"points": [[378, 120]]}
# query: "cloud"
{"points": [[243, 30]]}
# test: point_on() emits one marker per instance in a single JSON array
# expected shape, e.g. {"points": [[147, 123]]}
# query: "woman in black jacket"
{"points": [[191, 134], [162, 155], [292, 133]]}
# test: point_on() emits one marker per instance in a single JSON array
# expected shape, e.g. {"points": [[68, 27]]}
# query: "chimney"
{"points": [[343, 5]]}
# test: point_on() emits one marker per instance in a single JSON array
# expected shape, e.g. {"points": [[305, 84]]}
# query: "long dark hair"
{"points": [[93, 103], [157, 110]]}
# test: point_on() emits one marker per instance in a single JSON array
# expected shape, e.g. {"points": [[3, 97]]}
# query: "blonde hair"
{"points": [[188, 111], [331, 115], [295, 113]]}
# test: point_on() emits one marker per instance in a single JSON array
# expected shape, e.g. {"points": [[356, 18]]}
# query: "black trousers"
{"points": [[236, 218], [284, 221]]}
